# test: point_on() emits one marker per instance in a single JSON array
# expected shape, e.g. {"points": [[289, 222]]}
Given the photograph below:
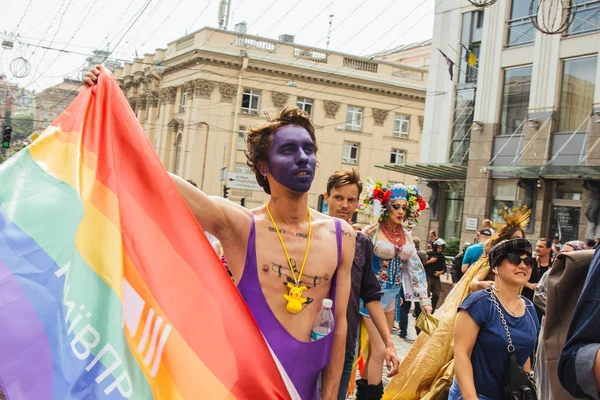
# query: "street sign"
{"points": [[238, 180], [472, 224], [33, 136]]}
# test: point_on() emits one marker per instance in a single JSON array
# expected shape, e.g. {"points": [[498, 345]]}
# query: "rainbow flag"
{"points": [[108, 287]]}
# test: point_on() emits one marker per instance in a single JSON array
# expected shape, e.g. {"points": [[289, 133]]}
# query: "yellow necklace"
{"points": [[294, 297]]}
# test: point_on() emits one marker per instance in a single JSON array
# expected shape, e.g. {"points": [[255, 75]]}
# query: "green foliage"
{"points": [[22, 126], [452, 247]]}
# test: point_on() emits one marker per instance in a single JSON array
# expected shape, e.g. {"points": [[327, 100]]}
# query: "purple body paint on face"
{"points": [[292, 160]]}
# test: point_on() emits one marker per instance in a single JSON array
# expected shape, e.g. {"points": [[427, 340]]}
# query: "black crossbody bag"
{"points": [[518, 384]]}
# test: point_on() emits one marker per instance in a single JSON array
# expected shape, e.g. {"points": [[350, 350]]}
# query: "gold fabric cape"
{"points": [[428, 369]]}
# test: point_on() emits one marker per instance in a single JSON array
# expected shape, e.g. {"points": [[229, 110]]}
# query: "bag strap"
{"points": [[510, 348]]}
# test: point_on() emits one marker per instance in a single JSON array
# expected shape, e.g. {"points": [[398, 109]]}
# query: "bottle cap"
{"points": [[327, 303]]}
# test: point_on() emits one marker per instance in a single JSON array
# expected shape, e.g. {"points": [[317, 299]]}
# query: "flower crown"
{"points": [[378, 196]]}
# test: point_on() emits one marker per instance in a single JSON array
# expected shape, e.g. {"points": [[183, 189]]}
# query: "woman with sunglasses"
{"points": [[480, 336]]}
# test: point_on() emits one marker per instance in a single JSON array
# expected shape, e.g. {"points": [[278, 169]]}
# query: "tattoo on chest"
{"points": [[283, 271], [295, 234]]}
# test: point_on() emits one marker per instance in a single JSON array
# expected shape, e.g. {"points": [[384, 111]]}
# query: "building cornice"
{"points": [[330, 79]]}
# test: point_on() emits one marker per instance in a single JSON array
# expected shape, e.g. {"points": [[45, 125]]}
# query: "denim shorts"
{"points": [[456, 395], [388, 301]]}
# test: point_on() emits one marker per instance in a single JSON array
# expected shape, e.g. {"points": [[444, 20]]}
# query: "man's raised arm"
{"points": [[217, 215]]}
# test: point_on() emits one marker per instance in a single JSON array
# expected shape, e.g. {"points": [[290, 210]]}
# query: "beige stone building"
{"points": [[414, 54], [196, 98], [7, 101], [521, 125], [51, 102]]}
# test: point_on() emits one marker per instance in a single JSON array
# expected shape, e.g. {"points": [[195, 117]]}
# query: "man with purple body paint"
{"points": [[282, 154]]}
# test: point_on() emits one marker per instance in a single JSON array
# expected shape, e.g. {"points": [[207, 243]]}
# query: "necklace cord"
{"points": [[297, 280]]}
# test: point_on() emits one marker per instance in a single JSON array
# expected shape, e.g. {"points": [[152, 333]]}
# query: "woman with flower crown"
{"points": [[427, 371], [396, 265]]}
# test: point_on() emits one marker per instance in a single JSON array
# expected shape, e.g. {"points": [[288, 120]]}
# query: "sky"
{"points": [[134, 27]]}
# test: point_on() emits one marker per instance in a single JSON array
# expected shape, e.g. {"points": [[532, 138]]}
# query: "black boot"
{"points": [[375, 392], [361, 389]]}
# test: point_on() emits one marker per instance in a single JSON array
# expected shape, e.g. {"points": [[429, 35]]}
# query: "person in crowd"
{"points": [[457, 264], [407, 305], [435, 266], [539, 300], [541, 264], [474, 252], [491, 320], [487, 224], [282, 153], [579, 365], [428, 368], [395, 262], [574, 245], [556, 245], [432, 237], [342, 197]]}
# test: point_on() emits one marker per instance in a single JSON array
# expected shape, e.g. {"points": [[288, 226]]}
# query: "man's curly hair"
{"points": [[259, 139]]}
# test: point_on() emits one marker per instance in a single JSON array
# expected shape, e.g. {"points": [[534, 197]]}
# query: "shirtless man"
{"points": [[282, 154]]}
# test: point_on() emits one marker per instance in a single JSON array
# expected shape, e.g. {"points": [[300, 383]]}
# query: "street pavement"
{"points": [[402, 346]]}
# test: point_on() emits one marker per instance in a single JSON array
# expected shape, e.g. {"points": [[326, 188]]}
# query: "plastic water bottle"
{"points": [[324, 321]]}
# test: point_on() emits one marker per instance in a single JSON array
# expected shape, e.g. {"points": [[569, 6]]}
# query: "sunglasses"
{"points": [[516, 259]]}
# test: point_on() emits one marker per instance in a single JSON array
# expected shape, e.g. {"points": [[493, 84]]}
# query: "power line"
{"points": [[199, 15], [22, 16], [318, 63]]}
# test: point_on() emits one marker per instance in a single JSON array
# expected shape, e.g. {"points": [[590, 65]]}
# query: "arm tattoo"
{"points": [[343, 232]]}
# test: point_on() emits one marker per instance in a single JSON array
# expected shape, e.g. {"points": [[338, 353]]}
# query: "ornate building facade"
{"points": [[196, 98]]}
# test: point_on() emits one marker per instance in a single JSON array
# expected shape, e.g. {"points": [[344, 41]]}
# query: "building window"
{"points": [[242, 168], [470, 37], [250, 100], [461, 133], [398, 156], [520, 29], [305, 105], [350, 153], [178, 148], [587, 17], [354, 116], [515, 99], [241, 140], [577, 93], [401, 125], [183, 101], [505, 191]]}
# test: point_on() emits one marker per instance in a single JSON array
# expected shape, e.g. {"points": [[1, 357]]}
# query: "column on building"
{"points": [[201, 90], [479, 185], [149, 123], [166, 139]]}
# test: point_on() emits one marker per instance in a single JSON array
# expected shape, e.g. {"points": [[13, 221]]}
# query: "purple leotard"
{"points": [[303, 361]]}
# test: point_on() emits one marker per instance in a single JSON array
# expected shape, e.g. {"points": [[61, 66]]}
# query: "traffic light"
{"points": [[6, 135], [225, 192]]}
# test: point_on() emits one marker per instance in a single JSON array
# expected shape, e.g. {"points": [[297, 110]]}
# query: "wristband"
{"points": [[425, 302]]}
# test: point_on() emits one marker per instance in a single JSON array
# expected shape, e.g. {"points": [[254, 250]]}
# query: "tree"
{"points": [[22, 125]]}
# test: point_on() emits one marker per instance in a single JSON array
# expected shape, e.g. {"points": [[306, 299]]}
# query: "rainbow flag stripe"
{"points": [[108, 287]]}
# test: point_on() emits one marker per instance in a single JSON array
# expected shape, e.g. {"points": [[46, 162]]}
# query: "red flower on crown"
{"points": [[386, 196], [422, 203], [378, 194]]}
